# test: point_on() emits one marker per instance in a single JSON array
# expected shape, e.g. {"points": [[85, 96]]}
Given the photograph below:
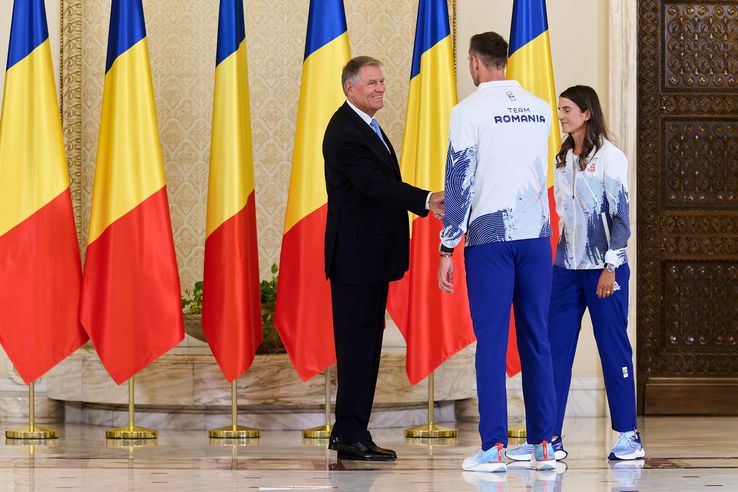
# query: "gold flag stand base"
{"points": [[31, 431], [517, 432], [431, 430], [320, 432], [233, 432], [323, 431], [130, 432]]}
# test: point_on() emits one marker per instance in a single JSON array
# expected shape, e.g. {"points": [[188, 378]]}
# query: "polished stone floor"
{"points": [[683, 453]]}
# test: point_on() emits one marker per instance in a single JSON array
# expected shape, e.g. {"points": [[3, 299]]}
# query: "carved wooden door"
{"points": [[687, 207]]}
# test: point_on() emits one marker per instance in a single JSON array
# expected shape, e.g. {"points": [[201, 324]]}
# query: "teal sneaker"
{"points": [[628, 447], [543, 457], [525, 450], [492, 460]]}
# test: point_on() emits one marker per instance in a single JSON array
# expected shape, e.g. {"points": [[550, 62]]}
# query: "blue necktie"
{"points": [[375, 125]]}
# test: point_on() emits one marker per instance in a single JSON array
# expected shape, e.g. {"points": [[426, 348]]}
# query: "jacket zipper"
{"points": [[574, 179], [574, 205]]}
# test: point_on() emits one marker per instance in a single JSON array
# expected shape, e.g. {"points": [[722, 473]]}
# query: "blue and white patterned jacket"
{"points": [[594, 214], [496, 167]]}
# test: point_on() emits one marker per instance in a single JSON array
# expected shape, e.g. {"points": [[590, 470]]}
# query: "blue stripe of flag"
{"points": [[432, 27], [28, 29], [326, 21], [529, 21], [127, 27], [231, 29]]}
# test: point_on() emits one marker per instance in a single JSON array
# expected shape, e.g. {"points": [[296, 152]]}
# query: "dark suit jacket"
{"points": [[367, 231]]}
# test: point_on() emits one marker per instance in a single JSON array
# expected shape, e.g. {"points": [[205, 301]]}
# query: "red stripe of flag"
{"points": [[133, 261], [231, 306], [40, 288]]}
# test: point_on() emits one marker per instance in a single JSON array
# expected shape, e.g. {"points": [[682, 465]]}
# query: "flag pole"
{"points": [[431, 430], [234, 431], [32, 431], [323, 431], [130, 431]]}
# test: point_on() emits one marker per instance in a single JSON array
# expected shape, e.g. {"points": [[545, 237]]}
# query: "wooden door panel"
{"points": [[687, 193]]}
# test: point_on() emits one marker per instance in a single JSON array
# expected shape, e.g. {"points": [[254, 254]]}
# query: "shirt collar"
{"points": [[499, 84], [367, 119]]}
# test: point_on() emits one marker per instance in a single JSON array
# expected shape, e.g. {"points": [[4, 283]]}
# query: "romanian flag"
{"points": [[530, 64], [303, 313], [435, 325], [231, 311], [131, 305], [39, 255]]}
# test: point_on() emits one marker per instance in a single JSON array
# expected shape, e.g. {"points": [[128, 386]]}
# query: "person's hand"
{"points": [[436, 204], [606, 284], [446, 274]]}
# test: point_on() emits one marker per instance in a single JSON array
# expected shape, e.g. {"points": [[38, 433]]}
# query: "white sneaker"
{"points": [[628, 447], [492, 460], [525, 450], [520, 453]]}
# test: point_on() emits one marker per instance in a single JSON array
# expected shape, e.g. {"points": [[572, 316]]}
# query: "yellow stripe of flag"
{"points": [[425, 141], [129, 161], [322, 70], [231, 171], [531, 66], [29, 93]]}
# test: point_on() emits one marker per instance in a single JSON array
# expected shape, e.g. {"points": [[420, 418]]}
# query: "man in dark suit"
{"points": [[366, 247]]}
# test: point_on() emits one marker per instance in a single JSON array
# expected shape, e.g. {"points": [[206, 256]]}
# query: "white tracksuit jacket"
{"points": [[593, 209], [496, 167]]}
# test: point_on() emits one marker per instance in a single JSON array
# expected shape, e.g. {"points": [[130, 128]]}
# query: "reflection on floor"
{"points": [[683, 453]]}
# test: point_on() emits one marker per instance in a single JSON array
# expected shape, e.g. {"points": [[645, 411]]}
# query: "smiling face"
{"points": [[571, 116], [367, 92]]}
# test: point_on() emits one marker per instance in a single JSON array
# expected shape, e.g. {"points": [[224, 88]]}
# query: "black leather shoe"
{"points": [[333, 443], [390, 452], [363, 452]]}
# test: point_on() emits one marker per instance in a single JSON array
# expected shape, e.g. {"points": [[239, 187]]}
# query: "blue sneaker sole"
{"points": [[626, 457]]}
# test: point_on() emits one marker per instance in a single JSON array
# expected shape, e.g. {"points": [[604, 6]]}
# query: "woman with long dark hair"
{"points": [[591, 268]]}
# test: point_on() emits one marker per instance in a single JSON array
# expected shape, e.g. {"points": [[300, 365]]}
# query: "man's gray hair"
{"points": [[351, 70]]}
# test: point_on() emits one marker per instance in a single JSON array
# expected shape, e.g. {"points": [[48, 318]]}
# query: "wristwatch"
{"points": [[445, 251], [610, 267]]}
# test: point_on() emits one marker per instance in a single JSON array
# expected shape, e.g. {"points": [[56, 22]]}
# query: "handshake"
{"points": [[436, 204]]}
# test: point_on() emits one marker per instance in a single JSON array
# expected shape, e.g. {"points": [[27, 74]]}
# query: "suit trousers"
{"points": [[573, 292], [500, 274], [358, 328]]}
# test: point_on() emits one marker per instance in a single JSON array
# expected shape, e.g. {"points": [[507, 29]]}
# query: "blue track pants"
{"points": [[499, 275], [574, 291]]}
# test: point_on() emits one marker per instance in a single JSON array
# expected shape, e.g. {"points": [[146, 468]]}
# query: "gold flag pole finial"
{"points": [[31, 431]]}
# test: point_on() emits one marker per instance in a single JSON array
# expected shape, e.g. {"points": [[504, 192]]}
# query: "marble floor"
{"points": [[683, 454]]}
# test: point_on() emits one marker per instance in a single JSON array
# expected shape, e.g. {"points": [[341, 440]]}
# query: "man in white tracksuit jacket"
{"points": [[496, 195]]}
